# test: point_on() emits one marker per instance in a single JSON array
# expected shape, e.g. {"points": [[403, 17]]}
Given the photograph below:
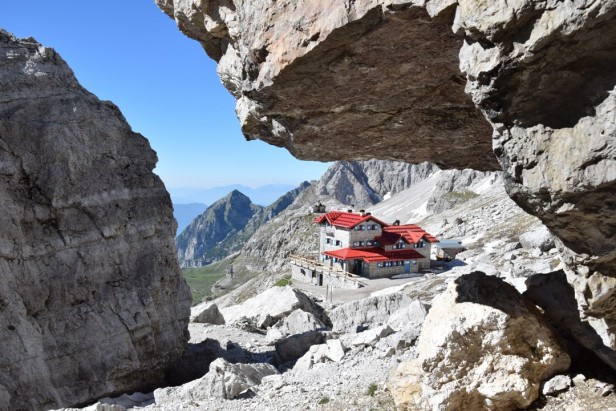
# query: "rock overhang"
{"points": [[347, 81]]}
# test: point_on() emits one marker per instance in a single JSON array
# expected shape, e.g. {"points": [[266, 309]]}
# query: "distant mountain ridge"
{"points": [[226, 225], [263, 195], [184, 214]]}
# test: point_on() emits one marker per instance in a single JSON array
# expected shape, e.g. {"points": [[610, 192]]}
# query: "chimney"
{"points": [[397, 222], [362, 212], [349, 211], [368, 213]]}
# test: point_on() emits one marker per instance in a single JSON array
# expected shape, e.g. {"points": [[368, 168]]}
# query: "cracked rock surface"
{"points": [[92, 300]]}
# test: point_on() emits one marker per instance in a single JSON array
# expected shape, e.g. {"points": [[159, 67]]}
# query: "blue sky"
{"points": [[129, 52]]}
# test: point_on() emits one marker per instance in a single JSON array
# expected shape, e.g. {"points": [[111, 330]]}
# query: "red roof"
{"points": [[411, 233], [374, 254], [346, 219]]}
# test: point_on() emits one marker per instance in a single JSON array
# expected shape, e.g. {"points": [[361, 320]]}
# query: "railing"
{"points": [[312, 264]]}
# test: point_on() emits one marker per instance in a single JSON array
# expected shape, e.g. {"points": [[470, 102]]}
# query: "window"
{"points": [[379, 264], [414, 262], [355, 243], [361, 243], [375, 227], [328, 240], [338, 242], [387, 263], [369, 243], [362, 228], [356, 228]]}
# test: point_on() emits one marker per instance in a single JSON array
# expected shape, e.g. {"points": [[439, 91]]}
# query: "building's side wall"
{"points": [[333, 234]]}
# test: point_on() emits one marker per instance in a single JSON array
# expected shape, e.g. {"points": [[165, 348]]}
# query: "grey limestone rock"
{"points": [[556, 384], [207, 313], [370, 312], [295, 346], [372, 336], [92, 300], [483, 346], [272, 305], [540, 238], [299, 321]]}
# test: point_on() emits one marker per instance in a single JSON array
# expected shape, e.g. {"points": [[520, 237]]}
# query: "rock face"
{"points": [[403, 311], [445, 81], [87, 259], [365, 183], [275, 57], [267, 308], [482, 346]]}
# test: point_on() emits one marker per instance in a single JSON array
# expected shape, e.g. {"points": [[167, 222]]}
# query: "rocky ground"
{"points": [[354, 378]]}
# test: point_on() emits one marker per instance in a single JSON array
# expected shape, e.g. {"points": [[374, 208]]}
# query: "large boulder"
{"points": [[332, 350], [295, 346], [223, 380], [92, 298], [206, 313], [397, 309], [525, 86], [270, 306], [540, 238], [483, 346], [298, 322]]}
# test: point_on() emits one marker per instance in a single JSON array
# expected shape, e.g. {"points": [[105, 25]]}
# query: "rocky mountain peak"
{"points": [[365, 183]]}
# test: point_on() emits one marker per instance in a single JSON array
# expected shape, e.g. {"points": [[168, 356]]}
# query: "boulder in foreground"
{"points": [[483, 347]]}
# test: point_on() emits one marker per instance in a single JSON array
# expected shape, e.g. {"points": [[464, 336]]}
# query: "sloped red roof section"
{"points": [[410, 232], [374, 254], [346, 219], [388, 238]]}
